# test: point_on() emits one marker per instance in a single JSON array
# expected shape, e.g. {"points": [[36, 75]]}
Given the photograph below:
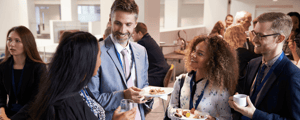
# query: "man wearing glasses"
{"points": [[272, 82]]}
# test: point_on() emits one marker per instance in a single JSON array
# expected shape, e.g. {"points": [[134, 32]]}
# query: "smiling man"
{"points": [[124, 64], [272, 81]]}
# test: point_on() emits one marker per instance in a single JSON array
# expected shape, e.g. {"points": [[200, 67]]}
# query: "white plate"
{"points": [[192, 115], [146, 90]]}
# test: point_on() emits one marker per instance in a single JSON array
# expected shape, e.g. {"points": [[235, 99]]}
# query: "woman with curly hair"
{"points": [[212, 78], [218, 29], [236, 37]]}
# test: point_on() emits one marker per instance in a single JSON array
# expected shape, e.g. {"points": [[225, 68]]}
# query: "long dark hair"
{"points": [[71, 68], [28, 42], [298, 16]]}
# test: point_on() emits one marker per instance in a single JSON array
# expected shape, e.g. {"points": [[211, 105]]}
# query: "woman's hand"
{"points": [[292, 45], [128, 115], [210, 118], [3, 114]]}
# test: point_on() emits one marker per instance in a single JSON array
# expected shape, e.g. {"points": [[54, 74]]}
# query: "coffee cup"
{"points": [[240, 99]]}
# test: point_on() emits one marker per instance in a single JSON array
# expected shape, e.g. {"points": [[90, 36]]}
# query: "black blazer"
{"points": [[158, 67], [29, 87], [244, 57], [279, 97], [71, 107]]}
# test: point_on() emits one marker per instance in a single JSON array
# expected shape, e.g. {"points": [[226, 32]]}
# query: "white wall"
{"points": [[152, 17], [15, 13], [94, 27], [214, 10], [293, 3], [237, 6], [191, 15], [9, 17]]}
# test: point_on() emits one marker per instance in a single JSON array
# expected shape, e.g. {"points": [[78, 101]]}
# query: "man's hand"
{"points": [[128, 115], [133, 93], [246, 111]]}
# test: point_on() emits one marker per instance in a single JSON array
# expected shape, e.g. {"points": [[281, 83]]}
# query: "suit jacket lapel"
{"points": [[138, 70], [252, 74], [270, 81], [113, 55], [7, 75]]}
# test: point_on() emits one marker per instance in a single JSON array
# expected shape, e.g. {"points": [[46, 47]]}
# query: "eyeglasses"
{"points": [[260, 36]]}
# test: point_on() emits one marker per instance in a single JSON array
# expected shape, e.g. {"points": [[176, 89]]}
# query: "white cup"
{"points": [[240, 99]]}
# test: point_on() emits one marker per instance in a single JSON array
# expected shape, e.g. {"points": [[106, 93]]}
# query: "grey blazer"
{"points": [[108, 85]]}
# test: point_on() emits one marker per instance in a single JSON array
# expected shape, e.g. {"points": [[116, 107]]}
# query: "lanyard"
{"points": [[132, 60], [86, 98], [191, 96], [17, 90], [258, 88]]}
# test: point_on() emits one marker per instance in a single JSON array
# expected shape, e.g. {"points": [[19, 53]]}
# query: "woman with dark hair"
{"points": [[212, 78], [218, 29], [292, 45], [63, 94], [20, 71]]}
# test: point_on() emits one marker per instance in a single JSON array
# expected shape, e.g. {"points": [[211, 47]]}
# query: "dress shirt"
{"points": [[119, 48]]}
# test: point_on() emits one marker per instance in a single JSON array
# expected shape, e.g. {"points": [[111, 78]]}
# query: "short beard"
{"points": [[122, 41]]}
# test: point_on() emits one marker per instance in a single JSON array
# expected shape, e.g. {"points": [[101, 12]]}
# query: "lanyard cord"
{"points": [[17, 90]]}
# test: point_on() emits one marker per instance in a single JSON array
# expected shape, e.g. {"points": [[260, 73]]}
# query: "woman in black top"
{"points": [[75, 61], [20, 71]]}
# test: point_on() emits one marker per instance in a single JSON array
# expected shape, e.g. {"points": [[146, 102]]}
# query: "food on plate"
{"points": [[191, 114], [196, 116], [178, 110], [186, 114], [178, 115], [156, 91]]}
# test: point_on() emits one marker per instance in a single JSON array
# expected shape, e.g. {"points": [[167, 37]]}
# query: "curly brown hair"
{"points": [[235, 36], [222, 66], [217, 28]]}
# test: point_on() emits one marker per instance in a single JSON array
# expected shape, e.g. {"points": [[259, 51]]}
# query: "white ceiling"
{"points": [[270, 2]]}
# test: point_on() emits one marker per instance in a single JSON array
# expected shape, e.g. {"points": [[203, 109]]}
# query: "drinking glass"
{"points": [[127, 104]]}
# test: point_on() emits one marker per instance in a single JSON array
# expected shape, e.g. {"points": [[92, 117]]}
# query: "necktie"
{"points": [[259, 79], [127, 69]]}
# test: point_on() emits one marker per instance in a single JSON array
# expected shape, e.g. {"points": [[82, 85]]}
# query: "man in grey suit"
{"points": [[123, 71]]}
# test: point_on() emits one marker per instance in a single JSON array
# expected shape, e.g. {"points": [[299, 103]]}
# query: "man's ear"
{"points": [[281, 38], [140, 33]]}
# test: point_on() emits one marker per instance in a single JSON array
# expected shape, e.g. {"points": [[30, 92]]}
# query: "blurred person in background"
{"points": [[291, 46], [228, 21], [20, 72], [158, 67], [218, 29]]}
